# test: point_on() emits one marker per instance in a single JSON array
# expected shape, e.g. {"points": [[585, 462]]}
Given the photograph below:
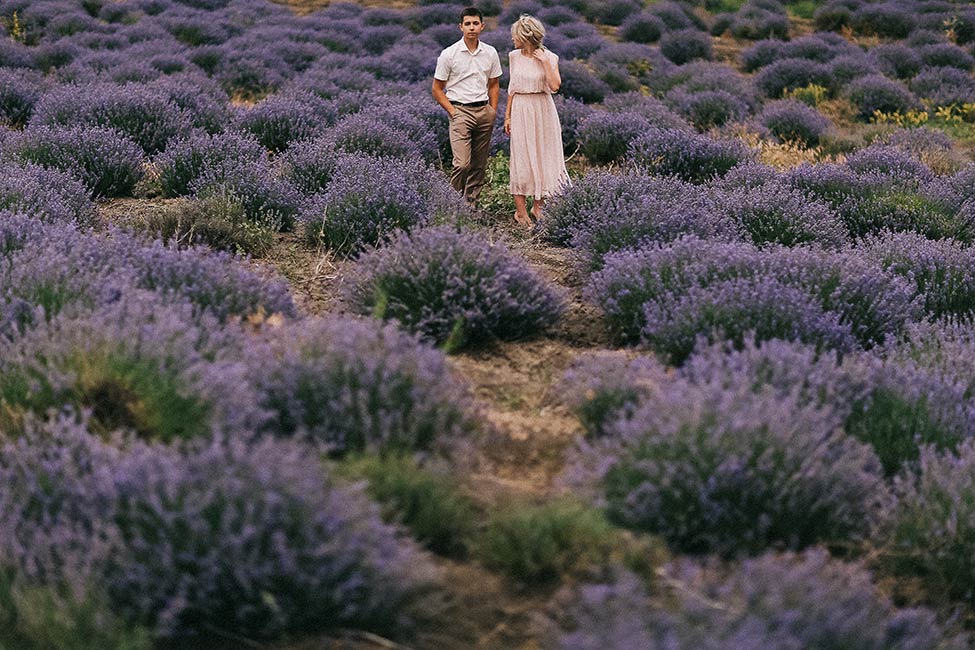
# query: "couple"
{"points": [[466, 84]]}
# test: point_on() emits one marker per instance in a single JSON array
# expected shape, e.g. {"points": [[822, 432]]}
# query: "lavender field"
{"points": [[267, 381]]}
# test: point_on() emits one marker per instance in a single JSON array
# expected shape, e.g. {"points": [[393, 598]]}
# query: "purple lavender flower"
{"points": [[889, 19], [755, 20], [931, 522], [896, 60], [726, 471], [787, 74], [763, 307], [707, 109], [47, 194], [265, 197], [692, 157], [144, 115], [792, 121], [944, 86], [874, 93], [108, 163], [362, 133], [579, 83], [453, 288], [604, 137], [601, 388], [136, 364], [19, 92], [686, 45], [282, 119], [761, 54], [775, 213], [645, 209], [253, 535], [946, 55], [367, 200], [357, 385], [641, 27], [942, 271], [891, 162], [874, 303], [186, 159], [806, 600]]}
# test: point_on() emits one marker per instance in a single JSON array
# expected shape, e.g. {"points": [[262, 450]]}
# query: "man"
{"points": [[466, 84]]}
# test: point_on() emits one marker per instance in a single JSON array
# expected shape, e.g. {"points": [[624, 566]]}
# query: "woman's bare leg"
{"points": [[537, 206], [521, 210]]}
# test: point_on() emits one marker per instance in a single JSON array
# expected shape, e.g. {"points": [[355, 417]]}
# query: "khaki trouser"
{"points": [[470, 142]]}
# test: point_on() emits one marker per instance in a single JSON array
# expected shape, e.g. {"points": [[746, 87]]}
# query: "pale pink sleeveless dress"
{"points": [[537, 162]]}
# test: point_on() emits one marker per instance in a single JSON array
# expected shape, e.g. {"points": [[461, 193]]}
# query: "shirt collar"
{"points": [[461, 45]]}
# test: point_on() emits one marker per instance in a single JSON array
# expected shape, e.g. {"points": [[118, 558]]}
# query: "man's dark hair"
{"points": [[471, 11]]}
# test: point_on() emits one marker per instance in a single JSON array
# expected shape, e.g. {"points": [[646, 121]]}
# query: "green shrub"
{"points": [[217, 219], [536, 545], [496, 196], [429, 504], [42, 618]]}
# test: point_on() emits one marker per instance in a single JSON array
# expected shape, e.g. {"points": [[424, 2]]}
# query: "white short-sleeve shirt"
{"points": [[466, 72]]}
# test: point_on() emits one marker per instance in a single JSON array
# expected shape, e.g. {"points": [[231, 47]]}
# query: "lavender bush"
{"points": [[141, 113], [806, 600], [776, 213], [266, 198], [281, 119], [186, 159], [944, 86], [362, 133], [896, 60], [108, 163], [707, 109], [931, 522], [604, 137], [19, 92], [946, 55], [356, 385], [646, 209], [755, 20], [722, 471], [309, 164], [134, 365], [601, 388], [255, 536], [686, 45], [874, 93], [763, 307], [367, 200], [452, 288], [940, 270], [579, 83], [788, 74], [889, 19], [793, 121], [48, 194], [874, 303], [692, 157], [641, 27]]}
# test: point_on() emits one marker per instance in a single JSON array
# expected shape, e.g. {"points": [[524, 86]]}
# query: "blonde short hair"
{"points": [[528, 30]]}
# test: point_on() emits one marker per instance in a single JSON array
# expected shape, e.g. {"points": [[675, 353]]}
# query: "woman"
{"points": [[537, 165]]}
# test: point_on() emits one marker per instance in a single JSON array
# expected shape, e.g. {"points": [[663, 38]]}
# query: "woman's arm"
{"points": [[550, 65], [507, 113]]}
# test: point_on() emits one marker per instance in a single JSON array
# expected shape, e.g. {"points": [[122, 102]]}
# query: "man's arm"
{"points": [[440, 94], [494, 90]]}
